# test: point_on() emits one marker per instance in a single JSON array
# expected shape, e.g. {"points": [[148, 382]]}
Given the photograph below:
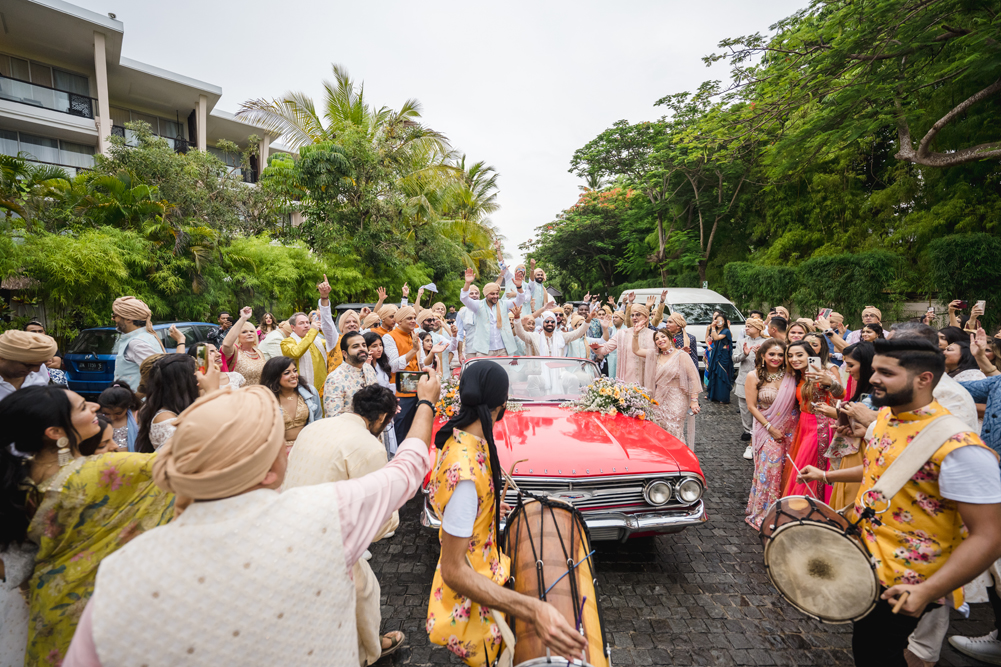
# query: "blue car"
{"points": [[90, 360]]}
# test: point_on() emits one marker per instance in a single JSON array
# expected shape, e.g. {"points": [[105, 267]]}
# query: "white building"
{"points": [[65, 87]]}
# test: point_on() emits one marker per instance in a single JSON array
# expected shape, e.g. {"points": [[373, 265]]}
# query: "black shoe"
{"points": [[745, 437]]}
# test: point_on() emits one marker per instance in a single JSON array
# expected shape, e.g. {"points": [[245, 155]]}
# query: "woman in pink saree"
{"points": [[770, 390], [813, 433], [674, 379], [631, 367]]}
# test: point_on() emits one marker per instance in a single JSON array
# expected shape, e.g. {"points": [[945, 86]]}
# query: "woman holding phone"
{"points": [[719, 366], [816, 384]]}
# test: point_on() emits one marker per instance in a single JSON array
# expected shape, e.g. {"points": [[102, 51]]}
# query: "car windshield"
{"points": [[702, 313], [95, 341], [542, 379]]}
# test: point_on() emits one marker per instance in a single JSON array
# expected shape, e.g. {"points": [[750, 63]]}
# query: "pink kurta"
{"points": [[630, 367]]}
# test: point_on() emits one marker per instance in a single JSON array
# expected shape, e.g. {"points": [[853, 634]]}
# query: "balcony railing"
{"points": [[179, 145], [44, 97]]}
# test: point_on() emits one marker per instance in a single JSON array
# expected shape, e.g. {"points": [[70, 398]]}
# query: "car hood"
{"points": [[561, 443]]}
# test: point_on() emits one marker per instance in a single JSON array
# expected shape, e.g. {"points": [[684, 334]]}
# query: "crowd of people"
{"points": [[828, 410], [212, 472]]}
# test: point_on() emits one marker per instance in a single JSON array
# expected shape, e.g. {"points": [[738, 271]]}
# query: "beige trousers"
{"points": [[368, 615]]}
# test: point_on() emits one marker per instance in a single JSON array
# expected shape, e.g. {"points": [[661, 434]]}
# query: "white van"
{"points": [[696, 306]]}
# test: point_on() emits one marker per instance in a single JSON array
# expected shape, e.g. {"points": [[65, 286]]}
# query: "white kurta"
{"points": [[258, 577]]}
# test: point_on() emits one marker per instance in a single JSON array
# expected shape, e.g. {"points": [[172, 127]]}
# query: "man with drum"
{"points": [[468, 591], [916, 539]]}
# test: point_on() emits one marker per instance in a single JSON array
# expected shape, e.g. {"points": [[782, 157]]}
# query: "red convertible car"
{"points": [[628, 477]]}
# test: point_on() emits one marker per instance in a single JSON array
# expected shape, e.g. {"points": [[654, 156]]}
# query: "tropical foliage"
{"points": [[863, 129], [373, 198]]}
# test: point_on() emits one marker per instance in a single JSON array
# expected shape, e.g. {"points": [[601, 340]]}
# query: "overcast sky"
{"points": [[519, 85]]}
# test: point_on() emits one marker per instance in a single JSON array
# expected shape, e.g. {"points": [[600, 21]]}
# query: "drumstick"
{"points": [[807, 486], [901, 600], [509, 480]]}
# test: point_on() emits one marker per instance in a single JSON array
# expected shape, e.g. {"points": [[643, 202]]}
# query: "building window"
{"points": [[35, 84], [172, 130], [47, 150]]}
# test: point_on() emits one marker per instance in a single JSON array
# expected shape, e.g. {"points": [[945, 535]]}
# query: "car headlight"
{"points": [[689, 490], [657, 492]]}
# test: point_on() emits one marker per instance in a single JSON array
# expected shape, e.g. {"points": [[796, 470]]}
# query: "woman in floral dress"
{"points": [[770, 391], [463, 491], [77, 510]]}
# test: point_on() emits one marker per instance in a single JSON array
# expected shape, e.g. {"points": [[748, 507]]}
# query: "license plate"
{"points": [[92, 366]]}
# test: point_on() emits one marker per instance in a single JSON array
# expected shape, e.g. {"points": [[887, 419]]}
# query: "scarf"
{"points": [[780, 411]]}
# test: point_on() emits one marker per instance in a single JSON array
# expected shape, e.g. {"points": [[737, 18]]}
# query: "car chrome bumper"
{"points": [[610, 526]]}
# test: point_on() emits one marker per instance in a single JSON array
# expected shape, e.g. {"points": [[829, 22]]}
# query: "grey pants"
{"points": [[746, 418]]}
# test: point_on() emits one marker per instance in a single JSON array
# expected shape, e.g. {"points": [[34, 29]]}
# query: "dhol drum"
{"points": [[548, 545], [816, 562]]}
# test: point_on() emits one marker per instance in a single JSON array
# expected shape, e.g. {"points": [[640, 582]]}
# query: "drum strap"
{"points": [[916, 455]]}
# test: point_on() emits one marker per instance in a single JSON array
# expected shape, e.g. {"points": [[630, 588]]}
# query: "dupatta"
{"points": [[781, 410]]}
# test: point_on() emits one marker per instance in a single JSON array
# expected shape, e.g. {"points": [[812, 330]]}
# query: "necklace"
{"points": [[772, 377]]}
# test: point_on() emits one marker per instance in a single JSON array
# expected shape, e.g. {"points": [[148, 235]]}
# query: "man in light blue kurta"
{"points": [[491, 335], [136, 341]]}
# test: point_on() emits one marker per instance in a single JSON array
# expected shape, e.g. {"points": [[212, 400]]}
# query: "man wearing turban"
{"points": [[492, 334], [254, 577], [550, 343], [22, 360], [870, 315], [136, 341]]}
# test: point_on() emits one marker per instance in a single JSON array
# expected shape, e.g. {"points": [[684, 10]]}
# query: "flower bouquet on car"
{"points": [[449, 404], [609, 397]]}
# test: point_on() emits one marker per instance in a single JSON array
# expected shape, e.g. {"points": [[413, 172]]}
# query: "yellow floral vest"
{"points": [[454, 621], [915, 536]]}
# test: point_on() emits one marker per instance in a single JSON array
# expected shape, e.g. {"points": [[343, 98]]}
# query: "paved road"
{"points": [[700, 597]]}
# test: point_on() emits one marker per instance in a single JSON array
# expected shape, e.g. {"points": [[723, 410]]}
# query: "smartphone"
{"points": [[843, 418], [815, 366], [406, 381], [962, 305], [203, 358], [824, 313], [982, 305], [931, 310]]}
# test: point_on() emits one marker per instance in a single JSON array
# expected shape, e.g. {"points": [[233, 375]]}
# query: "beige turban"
{"points": [[225, 443], [28, 348], [132, 308], [285, 327], [344, 317], [754, 323], [490, 287], [575, 320], [439, 306], [370, 321], [875, 311], [807, 322], [678, 319], [389, 310], [641, 309], [836, 317], [404, 313], [424, 315]]}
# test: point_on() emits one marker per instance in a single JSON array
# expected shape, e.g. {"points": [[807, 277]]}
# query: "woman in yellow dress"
{"points": [[76, 509], [464, 492]]}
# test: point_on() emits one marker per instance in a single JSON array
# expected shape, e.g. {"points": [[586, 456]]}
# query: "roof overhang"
{"points": [[157, 89], [58, 31]]}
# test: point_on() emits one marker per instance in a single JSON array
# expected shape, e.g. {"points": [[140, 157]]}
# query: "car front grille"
{"points": [[597, 493]]}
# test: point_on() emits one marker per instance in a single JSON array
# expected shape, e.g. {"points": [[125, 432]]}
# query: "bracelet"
{"points": [[424, 401], [768, 426], [825, 479]]}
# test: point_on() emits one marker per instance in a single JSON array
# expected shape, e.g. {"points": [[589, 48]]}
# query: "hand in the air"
{"points": [[381, 291], [324, 288], [406, 290]]}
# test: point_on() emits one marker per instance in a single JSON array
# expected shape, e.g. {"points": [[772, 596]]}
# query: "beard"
{"points": [[356, 360], [539, 279], [892, 400], [549, 327]]}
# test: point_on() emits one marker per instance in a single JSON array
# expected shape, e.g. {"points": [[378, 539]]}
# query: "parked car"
{"points": [[628, 477], [696, 306], [90, 359]]}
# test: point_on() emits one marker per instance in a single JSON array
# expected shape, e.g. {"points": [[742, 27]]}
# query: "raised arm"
{"points": [[382, 299], [228, 347], [579, 332], [636, 347], [471, 304], [294, 350]]}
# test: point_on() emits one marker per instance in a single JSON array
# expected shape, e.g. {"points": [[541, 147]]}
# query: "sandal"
{"points": [[396, 639]]}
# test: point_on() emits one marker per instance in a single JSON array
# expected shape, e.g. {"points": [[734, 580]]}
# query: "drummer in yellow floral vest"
{"points": [[468, 598], [918, 543]]}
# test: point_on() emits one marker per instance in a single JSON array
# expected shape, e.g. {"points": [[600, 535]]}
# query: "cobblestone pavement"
{"points": [[699, 597]]}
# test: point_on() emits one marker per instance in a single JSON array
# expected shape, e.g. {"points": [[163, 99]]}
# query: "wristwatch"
{"points": [[424, 401]]}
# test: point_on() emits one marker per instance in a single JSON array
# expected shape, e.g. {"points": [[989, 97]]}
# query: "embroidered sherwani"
{"points": [[342, 384]]}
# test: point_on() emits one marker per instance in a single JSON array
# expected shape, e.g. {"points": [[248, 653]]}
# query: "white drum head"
{"points": [[822, 572]]}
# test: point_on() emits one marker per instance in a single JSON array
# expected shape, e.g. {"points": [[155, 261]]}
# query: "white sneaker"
{"points": [[748, 454], [986, 649]]}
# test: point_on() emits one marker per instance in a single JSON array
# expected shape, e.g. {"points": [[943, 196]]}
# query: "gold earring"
{"points": [[65, 456]]}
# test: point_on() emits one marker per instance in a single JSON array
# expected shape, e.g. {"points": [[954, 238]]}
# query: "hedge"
{"points": [[847, 283], [968, 267]]}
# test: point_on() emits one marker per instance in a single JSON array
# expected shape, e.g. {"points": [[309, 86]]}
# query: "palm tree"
{"points": [[295, 118], [25, 186]]}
